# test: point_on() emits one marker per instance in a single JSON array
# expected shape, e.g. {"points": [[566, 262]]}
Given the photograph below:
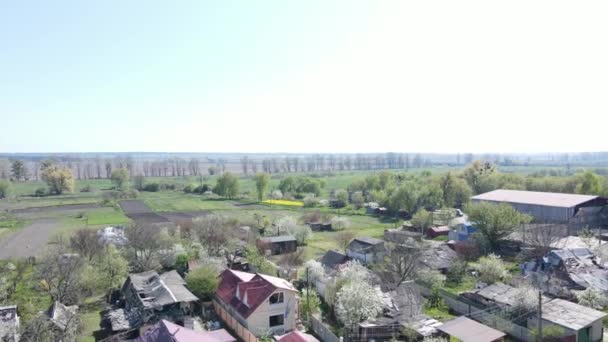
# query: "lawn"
{"points": [[179, 201], [10, 223], [105, 216], [91, 317]]}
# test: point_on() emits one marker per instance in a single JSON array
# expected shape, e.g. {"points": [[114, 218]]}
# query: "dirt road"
{"points": [[28, 241]]}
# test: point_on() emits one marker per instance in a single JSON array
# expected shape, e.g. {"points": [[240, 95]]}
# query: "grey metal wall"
{"points": [[540, 213]]}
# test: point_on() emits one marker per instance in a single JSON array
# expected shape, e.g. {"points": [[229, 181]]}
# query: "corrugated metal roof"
{"points": [[468, 330], [550, 199], [281, 238], [570, 315]]}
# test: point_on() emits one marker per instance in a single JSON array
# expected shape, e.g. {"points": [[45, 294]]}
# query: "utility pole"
{"points": [[540, 316], [308, 296]]}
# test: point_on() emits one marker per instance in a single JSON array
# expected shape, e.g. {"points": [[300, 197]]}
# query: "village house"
{"points": [[150, 296], [256, 304], [9, 324], [439, 257], [164, 331], [275, 245], [366, 250], [467, 330]]}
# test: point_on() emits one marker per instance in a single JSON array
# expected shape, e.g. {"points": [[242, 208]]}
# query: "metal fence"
{"points": [[489, 317], [323, 331]]}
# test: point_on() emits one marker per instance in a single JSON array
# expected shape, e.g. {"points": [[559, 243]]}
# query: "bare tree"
{"points": [[400, 264], [60, 272], [344, 238], [213, 232], [86, 243], [543, 237], [144, 246]]}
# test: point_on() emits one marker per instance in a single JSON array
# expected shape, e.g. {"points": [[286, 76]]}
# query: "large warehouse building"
{"points": [[551, 207]]}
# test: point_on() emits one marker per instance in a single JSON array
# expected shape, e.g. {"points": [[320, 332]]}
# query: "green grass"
{"points": [[29, 297], [101, 216], [10, 223], [466, 284], [91, 317], [178, 201], [441, 313]]}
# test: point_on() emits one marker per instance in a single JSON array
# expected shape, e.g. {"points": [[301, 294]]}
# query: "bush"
{"points": [[87, 188], [201, 189], [189, 188], [203, 282], [5, 188], [310, 201], [152, 187], [40, 192], [492, 269]]}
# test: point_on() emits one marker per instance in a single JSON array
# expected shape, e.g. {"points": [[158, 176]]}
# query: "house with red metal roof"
{"points": [[261, 304], [166, 331]]}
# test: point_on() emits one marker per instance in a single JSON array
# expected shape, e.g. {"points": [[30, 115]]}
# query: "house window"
{"points": [[275, 321], [276, 298]]}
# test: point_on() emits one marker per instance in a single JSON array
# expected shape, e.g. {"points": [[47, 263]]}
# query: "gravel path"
{"points": [[28, 241]]}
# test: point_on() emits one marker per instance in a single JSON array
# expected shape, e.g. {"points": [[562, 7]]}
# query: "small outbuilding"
{"points": [[434, 232], [276, 245], [467, 330], [9, 324], [366, 250], [331, 260]]}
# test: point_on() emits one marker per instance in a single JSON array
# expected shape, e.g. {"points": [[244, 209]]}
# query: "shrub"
{"points": [[310, 201], [5, 188], [203, 282], [340, 223], [592, 298], [152, 187], [201, 189], [189, 188], [40, 192], [310, 302], [87, 188], [492, 269]]}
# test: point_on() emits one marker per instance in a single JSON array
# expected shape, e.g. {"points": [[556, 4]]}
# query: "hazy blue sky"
{"points": [[303, 76]]}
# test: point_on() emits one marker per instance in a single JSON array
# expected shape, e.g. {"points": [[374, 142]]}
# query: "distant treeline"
{"points": [[20, 167]]}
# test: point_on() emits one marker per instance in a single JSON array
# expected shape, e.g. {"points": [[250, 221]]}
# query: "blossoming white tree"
{"points": [[356, 302]]}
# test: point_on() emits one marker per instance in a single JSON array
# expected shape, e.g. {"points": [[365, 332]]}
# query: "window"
{"points": [[276, 298], [274, 321]]}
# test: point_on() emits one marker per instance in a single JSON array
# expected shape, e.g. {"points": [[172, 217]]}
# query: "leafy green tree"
{"points": [[357, 199], [261, 184], [59, 179], [590, 183], [495, 221], [431, 196], [341, 198], [227, 185], [456, 192], [422, 219], [203, 282], [476, 172], [404, 197], [5, 188], [139, 182], [18, 170], [113, 267], [310, 302], [120, 178], [288, 185]]}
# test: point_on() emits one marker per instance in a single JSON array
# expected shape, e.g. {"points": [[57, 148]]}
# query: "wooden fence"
{"points": [[324, 333], [233, 324]]}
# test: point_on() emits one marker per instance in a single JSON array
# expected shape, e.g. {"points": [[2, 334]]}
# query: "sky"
{"points": [[303, 76]]}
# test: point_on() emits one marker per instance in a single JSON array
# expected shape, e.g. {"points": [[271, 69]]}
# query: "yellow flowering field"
{"points": [[284, 202]]}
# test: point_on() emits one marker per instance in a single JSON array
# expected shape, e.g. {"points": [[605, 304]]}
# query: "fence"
{"points": [[322, 330], [233, 324], [482, 314]]}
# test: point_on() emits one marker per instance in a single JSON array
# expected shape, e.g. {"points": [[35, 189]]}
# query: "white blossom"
{"points": [[358, 301]]}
